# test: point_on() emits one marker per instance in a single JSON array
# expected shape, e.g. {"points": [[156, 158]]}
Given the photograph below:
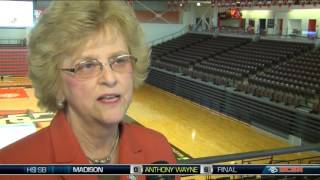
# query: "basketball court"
{"points": [[193, 130]]}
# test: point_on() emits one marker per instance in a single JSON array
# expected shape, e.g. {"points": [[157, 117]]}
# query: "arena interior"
{"points": [[230, 82]]}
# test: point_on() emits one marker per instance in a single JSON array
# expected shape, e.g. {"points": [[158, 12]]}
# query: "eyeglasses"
{"points": [[92, 68]]}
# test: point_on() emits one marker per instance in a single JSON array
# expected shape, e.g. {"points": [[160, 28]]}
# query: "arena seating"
{"points": [[316, 108], [294, 82], [234, 62], [249, 59], [165, 55], [191, 54], [274, 117], [177, 43], [276, 89], [13, 60]]}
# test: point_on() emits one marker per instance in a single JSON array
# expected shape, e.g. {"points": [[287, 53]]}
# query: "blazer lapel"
{"points": [[66, 148], [130, 151]]}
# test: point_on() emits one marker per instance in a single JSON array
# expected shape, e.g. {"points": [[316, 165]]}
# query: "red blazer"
{"points": [[57, 144]]}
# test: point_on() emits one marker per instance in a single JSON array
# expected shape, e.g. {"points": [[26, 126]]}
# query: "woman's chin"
{"points": [[112, 119]]}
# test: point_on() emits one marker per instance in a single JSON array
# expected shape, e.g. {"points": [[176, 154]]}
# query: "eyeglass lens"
{"points": [[91, 68]]}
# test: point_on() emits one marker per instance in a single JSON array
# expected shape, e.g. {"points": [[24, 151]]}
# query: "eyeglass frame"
{"points": [[102, 65]]}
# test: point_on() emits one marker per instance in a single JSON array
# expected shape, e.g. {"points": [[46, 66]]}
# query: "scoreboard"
{"points": [[158, 169]]}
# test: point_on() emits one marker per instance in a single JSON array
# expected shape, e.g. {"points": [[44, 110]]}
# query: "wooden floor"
{"points": [[14, 81], [12, 104], [196, 130]]}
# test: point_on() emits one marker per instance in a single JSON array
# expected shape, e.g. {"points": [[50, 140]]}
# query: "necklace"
{"points": [[107, 160]]}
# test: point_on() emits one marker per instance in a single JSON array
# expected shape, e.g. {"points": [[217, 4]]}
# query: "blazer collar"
{"points": [[130, 150], [67, 149], [65, 145]]}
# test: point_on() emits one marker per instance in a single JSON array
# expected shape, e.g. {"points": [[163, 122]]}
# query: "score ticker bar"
{"points": [[157, 169]]}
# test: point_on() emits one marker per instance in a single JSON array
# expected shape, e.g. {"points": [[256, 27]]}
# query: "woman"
{"points": [[85, 58]]}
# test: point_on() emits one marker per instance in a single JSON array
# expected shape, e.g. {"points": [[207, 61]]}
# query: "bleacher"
{"points": [[294, 82], [271, 84], [183, 53], [13, 61], [242, 60], [167, 55], [239, 63], [235, 61], [222, 60]]}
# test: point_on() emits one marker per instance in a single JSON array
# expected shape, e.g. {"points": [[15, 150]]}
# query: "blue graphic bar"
{"points": [[64, 169], [157, 169]]}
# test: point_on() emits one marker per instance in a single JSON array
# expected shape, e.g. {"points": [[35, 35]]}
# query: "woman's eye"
{"points": [[121, 60], [87, 66]]}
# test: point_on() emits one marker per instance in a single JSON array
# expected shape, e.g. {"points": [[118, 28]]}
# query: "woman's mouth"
{"points": [[109, 98]]}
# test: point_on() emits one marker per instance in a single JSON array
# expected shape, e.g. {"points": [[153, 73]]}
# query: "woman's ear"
{"points": [[60, 99], [60, 96]]}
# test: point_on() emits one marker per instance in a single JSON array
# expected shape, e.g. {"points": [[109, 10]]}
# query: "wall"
{"points": [[159, 6], [155, 31], [203, 12], [289, 16], [275, 12], [231, 23], [186, 18], [282, 15], [12, 34], [170, 17], [152, 31], [294, 24], [305, 15], [256, 15]]}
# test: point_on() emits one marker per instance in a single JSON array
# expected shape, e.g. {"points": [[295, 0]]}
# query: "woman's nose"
{"points": [[108, 75]]}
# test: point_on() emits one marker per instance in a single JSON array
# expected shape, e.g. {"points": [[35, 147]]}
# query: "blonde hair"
{"points": [[65, 27]]}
